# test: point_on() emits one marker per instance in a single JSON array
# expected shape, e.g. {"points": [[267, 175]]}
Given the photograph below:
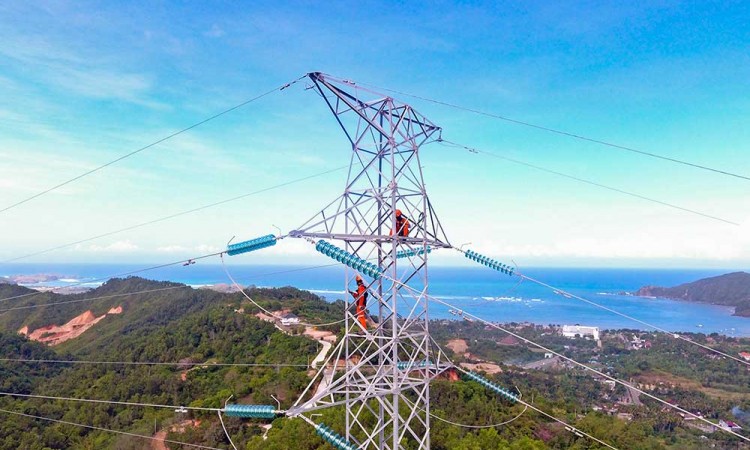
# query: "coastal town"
{"points": [[638, 357]]}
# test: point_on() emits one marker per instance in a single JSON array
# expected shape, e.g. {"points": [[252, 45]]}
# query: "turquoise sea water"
{"points": [[477, 290]]}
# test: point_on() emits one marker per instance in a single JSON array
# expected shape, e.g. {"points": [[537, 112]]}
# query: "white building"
{"points": [[573, 331], [289, 319], [729, 425]]}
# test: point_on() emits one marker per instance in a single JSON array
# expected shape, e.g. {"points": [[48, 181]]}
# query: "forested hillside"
{"points": [[732, 289], [181, 326], [175, 325]]}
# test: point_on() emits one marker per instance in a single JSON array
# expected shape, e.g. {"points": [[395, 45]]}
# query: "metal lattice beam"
{"points": [[384, 370]]}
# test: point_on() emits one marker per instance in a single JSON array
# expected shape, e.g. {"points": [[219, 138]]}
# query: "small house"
{"points": [[289, 319], [729, 425]]}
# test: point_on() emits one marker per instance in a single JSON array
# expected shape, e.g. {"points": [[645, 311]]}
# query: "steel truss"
{"points": [[381, 373]]}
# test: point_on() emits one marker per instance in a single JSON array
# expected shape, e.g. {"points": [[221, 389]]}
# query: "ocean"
{"points": [[478, 290]]}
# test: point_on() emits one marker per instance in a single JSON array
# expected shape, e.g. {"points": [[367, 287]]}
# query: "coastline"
{"points": [[475, 290]]}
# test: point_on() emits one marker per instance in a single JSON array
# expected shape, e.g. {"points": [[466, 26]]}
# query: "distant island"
{"points": [[731, 289], [30, 279]]}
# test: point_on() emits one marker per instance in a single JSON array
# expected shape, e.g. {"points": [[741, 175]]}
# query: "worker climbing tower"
{"points": [[381, 372]]}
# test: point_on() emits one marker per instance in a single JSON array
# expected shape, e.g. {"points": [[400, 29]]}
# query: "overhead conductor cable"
{"points": [[493, 264], [172, 216], [586, 367], [565, 133], [145, 291], [146, 147], [235, 249], [108, 430], [591, 183]]}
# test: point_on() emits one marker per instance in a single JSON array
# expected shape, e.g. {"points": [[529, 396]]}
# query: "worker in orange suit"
{"points": [[360, 297], [402, 224]]}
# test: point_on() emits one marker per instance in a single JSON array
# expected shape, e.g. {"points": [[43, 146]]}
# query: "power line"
{"points": [[675, 335], [92, 427], [146, 291], [127, 155], [613, 311], [132, 272], [479, 427], [108, 402], [642, 322], [564, 133], [236, 286], [172, 216], [527, 405], [149, 363], [574, 430], [533, 280], [67, 302], [589, 182], [475, 427], [226, 433], [583, 366], [217, 409], [242, 291]]}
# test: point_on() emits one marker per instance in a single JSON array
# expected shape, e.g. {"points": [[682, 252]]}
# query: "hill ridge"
{"points": [[730, 289]]}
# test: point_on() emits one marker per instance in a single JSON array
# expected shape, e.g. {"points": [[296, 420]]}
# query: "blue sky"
{"points": [[82, 83]]}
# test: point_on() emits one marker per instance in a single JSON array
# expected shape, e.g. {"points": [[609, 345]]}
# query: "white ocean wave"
{"points": [[503, 299], [455, 297], [324, 291]]}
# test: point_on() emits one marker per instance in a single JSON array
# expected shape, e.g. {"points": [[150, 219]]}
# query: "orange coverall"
{"points": [[360, 296], [402, 225]]}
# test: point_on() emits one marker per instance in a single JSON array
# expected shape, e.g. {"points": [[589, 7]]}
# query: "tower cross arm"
{"points": [[414, 241]]}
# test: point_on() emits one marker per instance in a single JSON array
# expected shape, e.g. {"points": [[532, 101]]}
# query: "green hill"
{"points": [[180, 326], [157, 304], [732, 289]]}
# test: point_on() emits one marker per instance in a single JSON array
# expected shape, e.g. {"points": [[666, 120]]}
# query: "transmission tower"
{"points": [[383, 370], [380, 372]]}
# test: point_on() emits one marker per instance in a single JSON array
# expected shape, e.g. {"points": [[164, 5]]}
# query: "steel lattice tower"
{"points": [[384, 371]]}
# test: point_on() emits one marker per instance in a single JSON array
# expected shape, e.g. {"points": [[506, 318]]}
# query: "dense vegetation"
{"points": [[184, 325], [672, 369], [179, 325], [22, 378]]}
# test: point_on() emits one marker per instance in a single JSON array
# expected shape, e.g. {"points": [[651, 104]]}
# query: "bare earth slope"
{"points": [[57, 334]]}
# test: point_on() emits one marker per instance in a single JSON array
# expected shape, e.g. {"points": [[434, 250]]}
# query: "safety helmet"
{"points": [[398, 213]]}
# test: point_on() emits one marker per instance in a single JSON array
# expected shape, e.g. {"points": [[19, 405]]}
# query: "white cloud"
{"points": [[206, 248], [172, 249], [115, 247], [296, 248], [196, 250], [103, 84], [78, 71], [693, 243]]}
